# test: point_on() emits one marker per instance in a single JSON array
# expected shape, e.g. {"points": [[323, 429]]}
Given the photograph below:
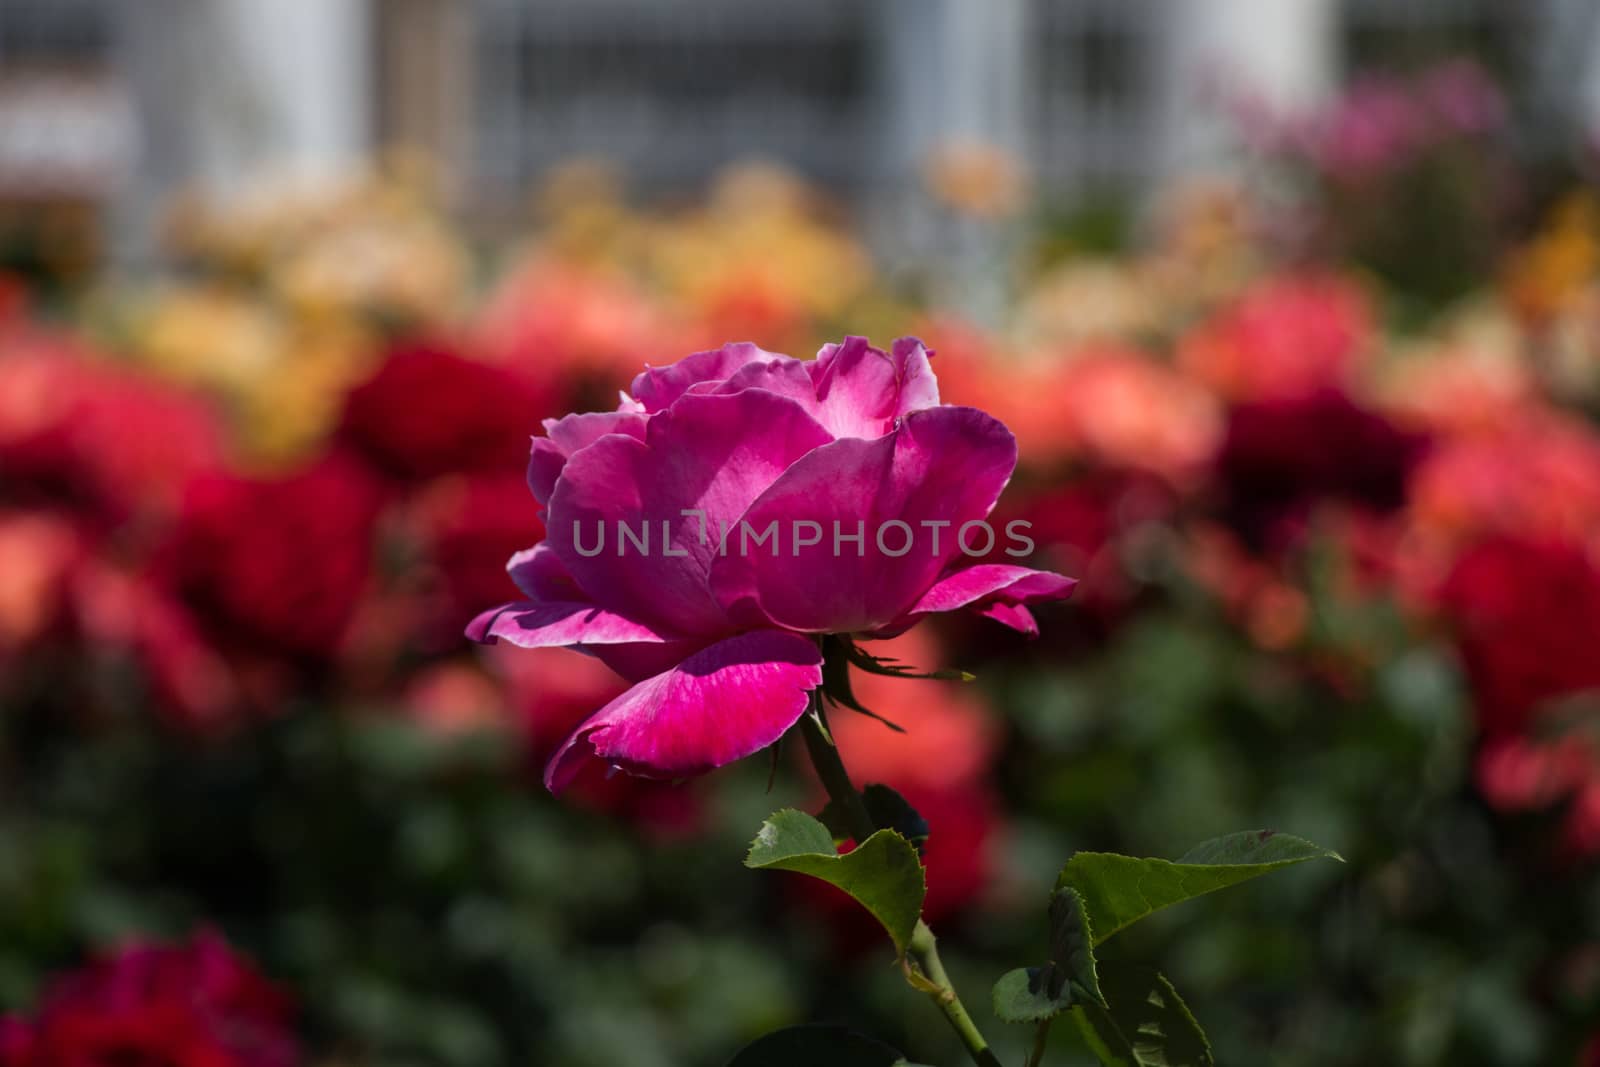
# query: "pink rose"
{"points": [[735, 506]]}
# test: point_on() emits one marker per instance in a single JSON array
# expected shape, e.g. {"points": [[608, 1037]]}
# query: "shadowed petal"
{"points": [[538, 572], [996, 590], [721, 704], [994, 581], [534, 625]]}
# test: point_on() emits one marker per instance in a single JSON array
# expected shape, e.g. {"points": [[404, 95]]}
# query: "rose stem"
{"points": [[923, 949]]}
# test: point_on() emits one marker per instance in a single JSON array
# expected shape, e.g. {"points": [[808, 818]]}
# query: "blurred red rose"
{"points": [[277, 565], [193, 687], [192, 1005], [428, 412], [104, 443], [1525, 613], [468, 526]]}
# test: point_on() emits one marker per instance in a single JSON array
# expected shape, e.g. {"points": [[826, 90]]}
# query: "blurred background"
{"points": [[1293, 305]]}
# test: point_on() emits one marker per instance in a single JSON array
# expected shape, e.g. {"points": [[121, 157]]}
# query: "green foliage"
{"points": [[1144, 1022], [1118, 891], [817, 1044], [1032, 994], [882, 873]]}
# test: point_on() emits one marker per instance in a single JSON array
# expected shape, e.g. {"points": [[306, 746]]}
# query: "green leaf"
{"points": [[1146, 1023], [808, 1046], [1072, 944], [1118, 891], [882, 873], [1030, 994], [1023, 996], [888, 809]]}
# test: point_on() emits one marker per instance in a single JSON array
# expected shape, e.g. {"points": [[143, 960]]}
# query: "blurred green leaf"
{"points": [[1033, 993], [882, 873], [1145, 1022], [1118, 891], [811, 1045]]}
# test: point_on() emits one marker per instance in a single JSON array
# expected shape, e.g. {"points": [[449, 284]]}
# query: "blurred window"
{"points": [[672, 92]]}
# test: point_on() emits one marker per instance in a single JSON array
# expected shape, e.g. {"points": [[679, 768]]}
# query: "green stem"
{"points": [[924, 949]]}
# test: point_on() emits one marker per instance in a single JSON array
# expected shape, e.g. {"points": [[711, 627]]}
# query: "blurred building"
{"points": [[124, 102]]}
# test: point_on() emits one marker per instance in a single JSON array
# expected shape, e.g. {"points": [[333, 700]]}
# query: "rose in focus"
{"points": [[721, 646]]}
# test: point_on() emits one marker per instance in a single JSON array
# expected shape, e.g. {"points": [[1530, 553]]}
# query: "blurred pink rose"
{"points": [[1284, 339]]}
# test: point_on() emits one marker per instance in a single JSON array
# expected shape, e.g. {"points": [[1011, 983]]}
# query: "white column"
{"points": [[284, 88], [228, 93], [1587, 116], [1278, 55], [955, 76]]}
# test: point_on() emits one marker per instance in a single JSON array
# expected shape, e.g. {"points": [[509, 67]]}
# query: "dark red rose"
{"points": [[1526, 615], [468, 527], [278, 565], [193, 1005], [428, 412], [1281, 457]]}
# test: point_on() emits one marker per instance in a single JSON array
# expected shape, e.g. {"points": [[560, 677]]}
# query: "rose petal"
{"points": [[529, 624], [538, 572], [658, 387], [707, 454], [721, 704], [943, 465], [1015, 616], [549, 454], [862, 390], [999, 582]]}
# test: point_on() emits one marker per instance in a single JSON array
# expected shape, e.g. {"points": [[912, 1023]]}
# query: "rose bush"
{"points": [[721, 644]]}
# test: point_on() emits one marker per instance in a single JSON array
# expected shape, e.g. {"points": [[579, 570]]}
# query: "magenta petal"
{"points": [[529, 624], [1015, 616], [994, 581], [862, 390], [995, 590], [707, 454], [549, 454], [538, 572], [719, 705], [945, 465], [658, 387], [786, 377]]}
